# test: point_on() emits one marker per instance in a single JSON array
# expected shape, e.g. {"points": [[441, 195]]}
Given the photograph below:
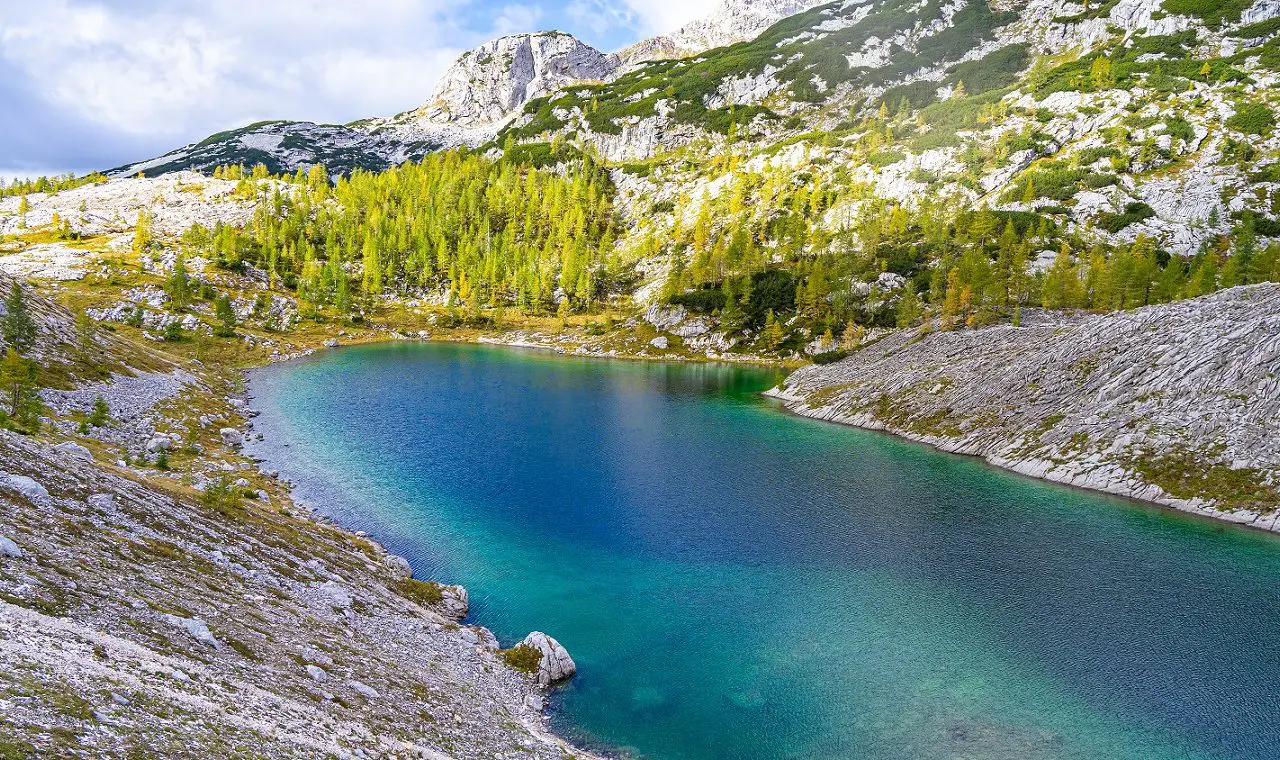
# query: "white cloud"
{"points": [[662, 16], [517, 19], [150, 68]]}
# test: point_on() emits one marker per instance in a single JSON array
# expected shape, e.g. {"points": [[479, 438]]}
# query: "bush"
{"points": [[830, 357], [423, 593], [702, 301], [1134, 212], [172, 332], [1252, 119], [523, 658], [1214, 13]]}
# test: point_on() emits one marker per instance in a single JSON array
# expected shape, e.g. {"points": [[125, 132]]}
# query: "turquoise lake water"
{"points": [[735, 582]]}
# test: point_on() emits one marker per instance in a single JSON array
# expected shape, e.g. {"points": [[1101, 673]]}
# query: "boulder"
{"points": [[317, 674], [231, 437], [331, 343], [196, 627], [399, 566], [103, 501], [9, 549], [24, 485], [74, 449], [363, 690], [556, 664], [454, 601], [158, 443], [659, 342]]}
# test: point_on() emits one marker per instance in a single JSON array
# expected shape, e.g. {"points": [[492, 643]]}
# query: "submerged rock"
{"points": [[556, 664]]}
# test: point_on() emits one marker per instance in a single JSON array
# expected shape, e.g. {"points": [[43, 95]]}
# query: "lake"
{"points": [[736, 582]]}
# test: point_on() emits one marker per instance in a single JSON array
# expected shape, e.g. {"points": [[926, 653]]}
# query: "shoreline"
{"points": [[540, 726], [1037, 469]]}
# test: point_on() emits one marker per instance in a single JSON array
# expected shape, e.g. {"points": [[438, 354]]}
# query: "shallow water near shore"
{"points": [[736, 582]]}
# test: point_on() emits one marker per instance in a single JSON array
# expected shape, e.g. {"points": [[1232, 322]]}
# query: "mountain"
{"points": [[732, 21], [482, 90]]}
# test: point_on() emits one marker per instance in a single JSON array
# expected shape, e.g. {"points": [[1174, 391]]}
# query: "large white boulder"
{"points": [[556, 664]]}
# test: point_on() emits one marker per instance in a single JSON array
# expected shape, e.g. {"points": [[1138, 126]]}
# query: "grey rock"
{"points": [[556, 664], [196, 628], [74, 449], [26, 486], [364, 690], [231, 437], [399, 566], [318, 674], [9, 549], [660, 342]]}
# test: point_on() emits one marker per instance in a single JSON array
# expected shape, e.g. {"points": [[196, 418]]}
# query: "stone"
{"points": [[196, 628], [364, 690], [556, 664], [660, 342], [331, 343], [24, 485], [318, 674], [454, 601], [9, 549], [399, 566], [231, 437], [158, 443], [74, 449], [337, 596]]}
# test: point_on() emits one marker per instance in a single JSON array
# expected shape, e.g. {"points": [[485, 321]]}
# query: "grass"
{"points": [[1184, 475]]}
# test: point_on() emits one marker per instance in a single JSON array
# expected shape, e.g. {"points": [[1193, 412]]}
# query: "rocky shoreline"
{"points": [[161, 594], [1175, 405]]}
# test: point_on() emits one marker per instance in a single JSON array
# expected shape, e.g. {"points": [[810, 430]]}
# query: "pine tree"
{"points": [[142, 235], [772, 334], [226, 316], [908, 312], [100, 413], [18, 327], [178, 286], [20, 395]]}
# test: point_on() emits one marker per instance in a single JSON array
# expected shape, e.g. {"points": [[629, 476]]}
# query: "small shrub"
{"points": [[422, 593], [1252, 119], [830, 357], [523, 658]]}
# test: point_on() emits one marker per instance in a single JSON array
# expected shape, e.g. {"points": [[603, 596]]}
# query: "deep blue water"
{"points": [[736, 582]]}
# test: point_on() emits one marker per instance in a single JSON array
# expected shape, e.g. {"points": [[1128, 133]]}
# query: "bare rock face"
{"points": [[556, 664], [1176, 404], [488, 84]]}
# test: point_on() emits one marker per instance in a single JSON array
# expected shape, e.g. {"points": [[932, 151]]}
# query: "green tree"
{"points": [[909, 308], [226, 316], [21, 395], [178, 286], [100, 413], [18, 326]]}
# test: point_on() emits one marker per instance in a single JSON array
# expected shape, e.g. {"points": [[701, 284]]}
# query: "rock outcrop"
{"points": [[556, 664], [1176, 404], [488, 84]]}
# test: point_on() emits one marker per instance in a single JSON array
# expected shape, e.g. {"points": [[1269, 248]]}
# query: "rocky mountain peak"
{"points": [[487, 84]]}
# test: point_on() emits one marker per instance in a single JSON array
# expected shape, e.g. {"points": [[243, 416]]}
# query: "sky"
{"points": [[93, 85]]}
